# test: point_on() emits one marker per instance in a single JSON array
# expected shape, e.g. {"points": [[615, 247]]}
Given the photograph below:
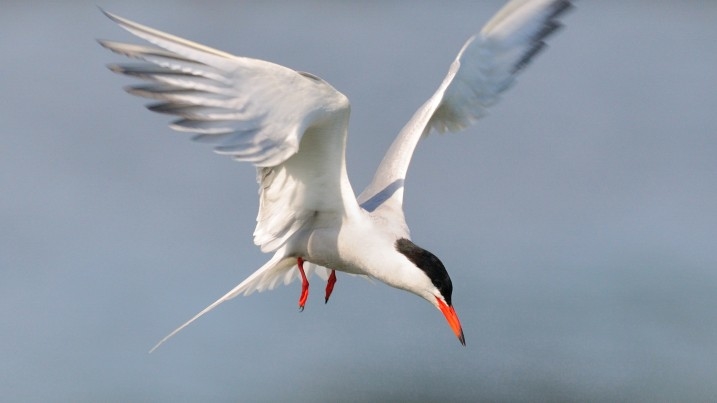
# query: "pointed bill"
{"points": [[452, 319]]}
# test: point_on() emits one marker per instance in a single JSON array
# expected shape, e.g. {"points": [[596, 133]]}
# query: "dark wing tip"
{"points": [[550, 27], [111, 16]]}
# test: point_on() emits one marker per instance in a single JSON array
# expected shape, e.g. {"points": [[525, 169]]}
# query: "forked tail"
{"points": [[265, 278]]}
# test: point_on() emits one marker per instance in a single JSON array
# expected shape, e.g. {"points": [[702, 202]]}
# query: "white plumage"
{"points": [[292, 126]]}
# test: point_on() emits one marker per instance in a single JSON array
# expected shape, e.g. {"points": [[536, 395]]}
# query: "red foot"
{"points": [[330, 285], [304, 284]]}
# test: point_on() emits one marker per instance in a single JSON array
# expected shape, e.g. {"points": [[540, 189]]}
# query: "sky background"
{"points": [[578, 221]]}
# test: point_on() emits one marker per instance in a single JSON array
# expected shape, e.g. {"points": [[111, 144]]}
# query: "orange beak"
{"points": [[452, 319]]}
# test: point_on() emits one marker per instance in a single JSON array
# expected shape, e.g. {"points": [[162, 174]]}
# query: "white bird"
{"points": [[293, 125]]}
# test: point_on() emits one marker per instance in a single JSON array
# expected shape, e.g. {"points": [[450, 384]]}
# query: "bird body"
{"points": [[293, 127]]}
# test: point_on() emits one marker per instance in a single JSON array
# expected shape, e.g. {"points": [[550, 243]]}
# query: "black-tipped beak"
{"points": [[452, 319]]}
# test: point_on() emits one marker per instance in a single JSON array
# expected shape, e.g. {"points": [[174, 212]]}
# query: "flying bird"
{"points": [[292, 126]]}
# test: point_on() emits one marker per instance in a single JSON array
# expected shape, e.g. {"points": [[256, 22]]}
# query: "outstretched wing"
{"points": [[485, 67], [291, 125]]}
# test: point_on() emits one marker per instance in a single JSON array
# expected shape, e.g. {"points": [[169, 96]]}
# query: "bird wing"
{"points": [[486, 66], [292, 126]]}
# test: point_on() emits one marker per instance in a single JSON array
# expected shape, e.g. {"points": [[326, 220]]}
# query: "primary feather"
{"points": [[485, 67], [292, 126], [253, 111]]}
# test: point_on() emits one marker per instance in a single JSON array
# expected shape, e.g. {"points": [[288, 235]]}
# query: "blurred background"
{"points": [[578, 220]]}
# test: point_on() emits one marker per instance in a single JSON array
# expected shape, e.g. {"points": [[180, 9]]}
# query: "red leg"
{"points": [[304, 284], [330, 285]]}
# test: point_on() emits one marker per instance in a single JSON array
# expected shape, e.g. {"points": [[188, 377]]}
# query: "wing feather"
{"points": [[290, 123], [486, 66]]}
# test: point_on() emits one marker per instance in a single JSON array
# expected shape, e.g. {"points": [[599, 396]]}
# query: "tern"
{"points": [[292, 126]]}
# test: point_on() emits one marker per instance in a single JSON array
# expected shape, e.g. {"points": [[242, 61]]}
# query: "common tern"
{"points": [[293, 127]]}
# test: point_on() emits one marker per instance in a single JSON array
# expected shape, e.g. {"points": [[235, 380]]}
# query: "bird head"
{"points": [[432, 283]]}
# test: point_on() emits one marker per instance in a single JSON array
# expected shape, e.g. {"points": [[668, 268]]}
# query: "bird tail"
{"points": [[265, 278]]}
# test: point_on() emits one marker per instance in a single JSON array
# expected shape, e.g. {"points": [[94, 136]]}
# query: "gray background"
{"points": [[578, 220]]}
